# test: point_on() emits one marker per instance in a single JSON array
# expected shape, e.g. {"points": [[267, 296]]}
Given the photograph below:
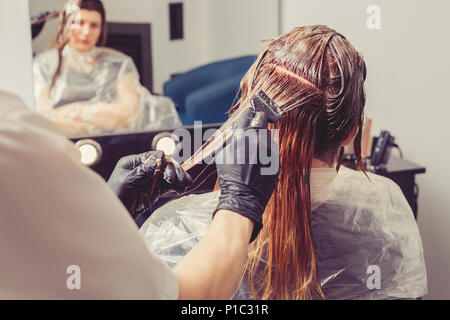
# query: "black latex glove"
{"points": [[133, 179], [244, 189]]}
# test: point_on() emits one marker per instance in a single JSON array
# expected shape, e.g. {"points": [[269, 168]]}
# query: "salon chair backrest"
{"points": [[206, 93]]}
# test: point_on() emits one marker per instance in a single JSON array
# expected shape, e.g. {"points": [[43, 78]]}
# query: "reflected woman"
{"points": [[88, 89]]}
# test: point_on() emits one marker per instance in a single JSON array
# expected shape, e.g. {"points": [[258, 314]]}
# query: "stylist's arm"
{"points": [[212, 269]]}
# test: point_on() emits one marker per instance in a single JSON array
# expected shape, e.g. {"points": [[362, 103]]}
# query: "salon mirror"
{"points": [[93, 68], [155, 65]]}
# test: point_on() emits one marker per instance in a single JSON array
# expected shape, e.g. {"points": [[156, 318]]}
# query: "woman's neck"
{"points": [[316, 163]]}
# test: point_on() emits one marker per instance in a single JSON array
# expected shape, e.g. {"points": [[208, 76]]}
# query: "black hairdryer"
{"points": [[382, 149]]}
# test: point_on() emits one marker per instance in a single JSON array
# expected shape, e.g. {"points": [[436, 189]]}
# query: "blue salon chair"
{"points": [[207, 92]]}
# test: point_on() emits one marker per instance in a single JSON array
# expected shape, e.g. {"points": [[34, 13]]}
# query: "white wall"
{"points": [[169, 56], [178, 56], [15, 53], [237, 27], [407, 85]]}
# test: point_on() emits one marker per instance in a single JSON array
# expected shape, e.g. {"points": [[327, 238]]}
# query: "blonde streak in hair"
{"points": [[59, 29], [60, 40]]}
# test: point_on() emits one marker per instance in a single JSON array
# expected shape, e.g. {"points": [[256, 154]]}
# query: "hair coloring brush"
{"points": [[263, 109]]}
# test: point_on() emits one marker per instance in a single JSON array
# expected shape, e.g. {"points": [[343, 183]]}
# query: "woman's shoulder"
{"points": [[121, 61], [369, 180], [45, 64], [372, 193], [368, 191], [49, 55]]}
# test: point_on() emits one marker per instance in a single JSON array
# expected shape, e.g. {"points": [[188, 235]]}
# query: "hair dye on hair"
{"points": [[316, 77]]}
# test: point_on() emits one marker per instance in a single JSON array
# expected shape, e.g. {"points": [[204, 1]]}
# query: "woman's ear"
{"points": [[350, 136]]}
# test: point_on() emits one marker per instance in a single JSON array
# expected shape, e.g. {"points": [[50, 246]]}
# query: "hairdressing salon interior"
{"points": [[190, 56]]}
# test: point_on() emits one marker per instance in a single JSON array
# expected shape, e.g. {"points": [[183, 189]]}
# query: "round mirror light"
{"points": [[91, 152], [164, 142], [167, 145]]}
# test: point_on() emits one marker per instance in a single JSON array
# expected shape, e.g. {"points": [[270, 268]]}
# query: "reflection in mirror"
{"points": [[86, 87]]}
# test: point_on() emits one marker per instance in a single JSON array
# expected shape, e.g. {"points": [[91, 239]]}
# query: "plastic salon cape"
{"points": [[361, 229], [92, 78]]}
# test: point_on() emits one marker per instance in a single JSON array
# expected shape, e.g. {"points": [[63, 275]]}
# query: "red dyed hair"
{"points": [[317, 77]]}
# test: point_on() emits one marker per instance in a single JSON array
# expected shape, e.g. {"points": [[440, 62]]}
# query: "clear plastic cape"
{"points": [[362, 229], [99, 79]]}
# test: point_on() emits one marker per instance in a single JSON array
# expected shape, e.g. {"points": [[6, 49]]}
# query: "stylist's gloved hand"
{"points": [[247, 184], [133, 178]]}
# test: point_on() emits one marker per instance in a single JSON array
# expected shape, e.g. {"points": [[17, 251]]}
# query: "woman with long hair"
{"points": [[87, 88], [326, 227]]}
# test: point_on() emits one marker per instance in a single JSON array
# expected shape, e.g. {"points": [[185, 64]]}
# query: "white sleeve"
{"points": [[56, 213]]}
